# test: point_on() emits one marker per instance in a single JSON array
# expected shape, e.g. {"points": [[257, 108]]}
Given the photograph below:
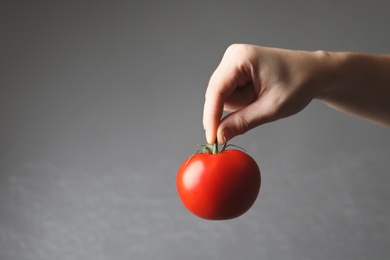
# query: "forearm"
{"points": [[360, 85]]}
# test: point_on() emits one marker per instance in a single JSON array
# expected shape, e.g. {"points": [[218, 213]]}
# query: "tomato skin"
{"points": [[219, 186]]}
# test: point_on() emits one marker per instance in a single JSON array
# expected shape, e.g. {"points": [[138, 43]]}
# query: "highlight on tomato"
{"points": [[218, 185]]}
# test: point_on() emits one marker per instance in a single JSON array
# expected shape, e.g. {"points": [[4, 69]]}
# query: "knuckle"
{"points": [[242, 55], [238, 48], [233, 47]]}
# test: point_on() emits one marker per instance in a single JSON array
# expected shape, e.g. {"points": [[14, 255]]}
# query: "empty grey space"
{"points": [[101, 101]]}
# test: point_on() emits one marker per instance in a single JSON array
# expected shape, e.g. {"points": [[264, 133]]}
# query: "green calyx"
{"points": [[213, 148]]}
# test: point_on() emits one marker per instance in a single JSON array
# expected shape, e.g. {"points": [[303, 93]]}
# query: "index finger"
{"points": [[222, 83], [212, 113]]}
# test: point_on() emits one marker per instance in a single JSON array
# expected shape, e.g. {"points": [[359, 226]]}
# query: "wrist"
{"points": [[328, 72]]}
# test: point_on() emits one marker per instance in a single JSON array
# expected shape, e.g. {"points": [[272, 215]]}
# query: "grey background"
{"points": [[101, 101]]}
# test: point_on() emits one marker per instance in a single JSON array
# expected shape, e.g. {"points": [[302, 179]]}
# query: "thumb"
{"points": [[240, 122]]}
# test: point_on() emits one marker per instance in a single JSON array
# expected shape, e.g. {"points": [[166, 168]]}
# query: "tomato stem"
{"points": [[215, 147]]}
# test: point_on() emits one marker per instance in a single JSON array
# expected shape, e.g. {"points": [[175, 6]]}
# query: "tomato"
{"points": [[218, 186]]}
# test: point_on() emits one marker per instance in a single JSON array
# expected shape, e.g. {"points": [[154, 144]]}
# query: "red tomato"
{"points": [[219, 186]]}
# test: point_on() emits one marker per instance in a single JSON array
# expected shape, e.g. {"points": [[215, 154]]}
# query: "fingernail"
{"points": [[224, 136], [207, 135]]}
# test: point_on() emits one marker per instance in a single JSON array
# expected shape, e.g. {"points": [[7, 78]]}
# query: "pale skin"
{"points": [[259, 85]]}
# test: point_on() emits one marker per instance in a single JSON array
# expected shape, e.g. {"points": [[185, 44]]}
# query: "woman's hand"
{"points": [[259, 85]]}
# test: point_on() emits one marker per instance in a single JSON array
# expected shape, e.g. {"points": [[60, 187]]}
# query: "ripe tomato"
{"points": [[218, 186]]}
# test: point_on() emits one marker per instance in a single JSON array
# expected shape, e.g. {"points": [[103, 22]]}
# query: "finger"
{"points": [[222, 83], [226, 78], [241, 97], [217, 91], [213, 109], [241, 121]]}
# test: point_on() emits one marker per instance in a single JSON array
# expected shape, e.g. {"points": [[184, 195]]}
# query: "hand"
{"points": [[259, 85]]}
